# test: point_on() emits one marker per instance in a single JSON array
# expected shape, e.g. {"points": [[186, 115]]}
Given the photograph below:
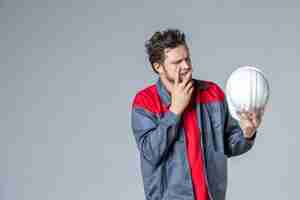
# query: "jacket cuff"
{"points": [[171, 118]]}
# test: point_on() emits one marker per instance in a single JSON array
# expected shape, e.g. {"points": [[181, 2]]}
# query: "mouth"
{"points": [[184, 74]]}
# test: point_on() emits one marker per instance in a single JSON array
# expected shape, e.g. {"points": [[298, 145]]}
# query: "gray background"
{"points": [[69, 71]]}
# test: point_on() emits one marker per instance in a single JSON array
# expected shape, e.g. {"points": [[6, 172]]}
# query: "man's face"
{"points": [[176, 58]]}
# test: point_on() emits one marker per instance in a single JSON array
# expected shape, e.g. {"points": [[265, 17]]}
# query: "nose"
{"points": [[186, 66]]}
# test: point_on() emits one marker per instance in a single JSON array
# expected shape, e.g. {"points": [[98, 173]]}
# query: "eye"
{"points": [[188, 59], [177, 62]]}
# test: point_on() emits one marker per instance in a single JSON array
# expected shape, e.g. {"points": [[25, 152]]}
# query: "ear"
{"points": [[158, 67]]}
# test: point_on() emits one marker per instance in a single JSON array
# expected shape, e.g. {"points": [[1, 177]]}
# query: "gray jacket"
{"points": [[160, 138]]}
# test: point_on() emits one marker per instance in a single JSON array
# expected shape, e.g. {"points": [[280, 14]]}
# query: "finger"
{"points": [[251, 115], [252, 119], [186, 84], [255, 121], [189, 85], [258, 119], [190, 91], [186, 79], [244, 115]]}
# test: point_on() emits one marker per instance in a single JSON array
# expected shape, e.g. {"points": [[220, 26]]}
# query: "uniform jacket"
{"points": [[160, 138]]}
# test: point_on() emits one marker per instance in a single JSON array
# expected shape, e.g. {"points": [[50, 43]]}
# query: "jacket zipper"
{"points": [[164, 179], [188, 164], [204, 169], [203, 154], [206, 182]]}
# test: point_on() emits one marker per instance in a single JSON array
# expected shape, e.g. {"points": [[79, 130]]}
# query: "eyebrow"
{"points": [[179, 60]]}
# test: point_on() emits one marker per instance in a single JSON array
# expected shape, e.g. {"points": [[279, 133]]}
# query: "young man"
{"points": [[183, 129]]}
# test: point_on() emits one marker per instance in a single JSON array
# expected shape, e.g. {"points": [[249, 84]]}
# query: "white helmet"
{"points": [[247, 89]]}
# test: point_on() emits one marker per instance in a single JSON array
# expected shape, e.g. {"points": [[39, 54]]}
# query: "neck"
{"points": [[167, 84]]}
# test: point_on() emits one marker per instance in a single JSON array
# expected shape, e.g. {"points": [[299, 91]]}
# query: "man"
{"points": [[183, 129]]}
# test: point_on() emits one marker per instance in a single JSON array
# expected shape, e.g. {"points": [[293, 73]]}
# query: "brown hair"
{"points": [[161, 40]]}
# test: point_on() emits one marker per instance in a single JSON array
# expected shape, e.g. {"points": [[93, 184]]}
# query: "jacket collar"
{"points": [[163, 93]]}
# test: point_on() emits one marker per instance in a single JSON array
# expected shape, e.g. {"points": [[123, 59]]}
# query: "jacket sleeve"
{"points": [[235, 142], [153, 135]]}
